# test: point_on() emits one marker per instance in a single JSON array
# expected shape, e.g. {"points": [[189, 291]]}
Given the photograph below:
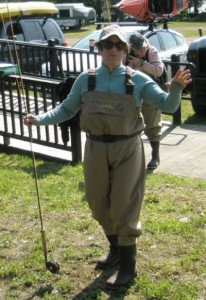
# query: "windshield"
{"points": [[84, 43]]}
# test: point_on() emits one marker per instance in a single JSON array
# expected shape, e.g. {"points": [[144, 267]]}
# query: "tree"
{"points": [[196, 4]]}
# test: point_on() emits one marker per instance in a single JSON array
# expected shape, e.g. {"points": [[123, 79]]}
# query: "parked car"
{"points": [[33, 30], [197, 55], [166, 41]]}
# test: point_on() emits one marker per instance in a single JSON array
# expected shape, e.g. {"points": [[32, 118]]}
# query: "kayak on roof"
{"points": [[18, 9], [150, 10]]}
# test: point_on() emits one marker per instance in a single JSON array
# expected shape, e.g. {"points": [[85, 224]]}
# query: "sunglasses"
{"points": [[108, 45]]}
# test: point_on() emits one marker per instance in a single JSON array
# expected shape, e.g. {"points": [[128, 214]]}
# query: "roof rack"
{"points": [[150, 23]]}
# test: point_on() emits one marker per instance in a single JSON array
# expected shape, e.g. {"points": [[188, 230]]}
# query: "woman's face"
{"points": [[112, 51]]}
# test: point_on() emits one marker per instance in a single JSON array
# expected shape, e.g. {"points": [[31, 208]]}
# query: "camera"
{"points": [[130, 53]]}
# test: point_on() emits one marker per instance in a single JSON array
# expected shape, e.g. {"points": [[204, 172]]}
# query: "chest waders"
{"points": [[114, 171]]}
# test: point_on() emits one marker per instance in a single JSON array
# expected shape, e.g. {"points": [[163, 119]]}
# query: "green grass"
{"points": [[189, 29], [171, 255]]}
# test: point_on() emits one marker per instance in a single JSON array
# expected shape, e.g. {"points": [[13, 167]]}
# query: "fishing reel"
{"points": [[52, 266]]}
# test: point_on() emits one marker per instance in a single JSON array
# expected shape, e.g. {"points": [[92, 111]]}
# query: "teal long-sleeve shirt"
{"points": [[113, 82]]}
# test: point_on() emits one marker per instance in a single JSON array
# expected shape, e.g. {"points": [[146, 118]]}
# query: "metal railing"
{"points": [[37, 96], [47, 60], [34, 92]]}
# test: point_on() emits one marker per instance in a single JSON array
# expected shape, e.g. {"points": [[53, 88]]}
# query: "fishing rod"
{"points": [[51, 265]]}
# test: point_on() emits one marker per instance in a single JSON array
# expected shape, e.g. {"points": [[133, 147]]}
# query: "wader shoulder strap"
{"points": [[91, 79], [129, 84]]}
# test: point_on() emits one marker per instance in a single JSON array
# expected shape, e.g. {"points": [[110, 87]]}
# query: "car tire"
{"points": [[62, 27]]}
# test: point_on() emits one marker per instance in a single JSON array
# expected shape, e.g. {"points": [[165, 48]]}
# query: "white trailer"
{"points": [[73, 15]]}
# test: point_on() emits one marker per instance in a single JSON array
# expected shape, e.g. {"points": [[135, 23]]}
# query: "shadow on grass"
{"points": [[196, 119], [93, 290], [44, 165], [44, 169]]}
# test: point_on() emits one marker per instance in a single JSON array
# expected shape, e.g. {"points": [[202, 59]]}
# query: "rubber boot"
{"points": [[112, 257], [127, 270], [155, 161]]}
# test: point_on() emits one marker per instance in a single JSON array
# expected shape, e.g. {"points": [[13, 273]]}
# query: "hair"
{"points": [[98, 45]]}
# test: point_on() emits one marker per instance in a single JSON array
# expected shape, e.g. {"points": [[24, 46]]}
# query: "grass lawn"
{"points": [[171, 255]]}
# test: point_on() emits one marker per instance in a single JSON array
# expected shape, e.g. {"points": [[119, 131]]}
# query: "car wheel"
{"points": [[62, 27], [200, 110]]}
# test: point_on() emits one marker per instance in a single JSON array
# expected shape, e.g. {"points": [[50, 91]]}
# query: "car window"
{"points": [[180, 40], [51, 30], [167, 39], [33, 30], [64, 13], [16, 30], [154, 41]]}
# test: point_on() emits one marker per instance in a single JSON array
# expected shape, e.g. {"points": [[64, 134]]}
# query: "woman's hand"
{"points": [[30, 120], [183, 78], [135, 62]]}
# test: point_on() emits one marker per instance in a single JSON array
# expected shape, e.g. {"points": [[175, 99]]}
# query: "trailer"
{"points": [[74, 15]]}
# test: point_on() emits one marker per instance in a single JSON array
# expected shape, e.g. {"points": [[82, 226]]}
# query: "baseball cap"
{"points": [[113, 30], [137, 41]]}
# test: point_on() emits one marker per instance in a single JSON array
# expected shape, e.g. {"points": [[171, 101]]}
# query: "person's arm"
{"points": [[153, 94], [154, 65], [64, 111]]}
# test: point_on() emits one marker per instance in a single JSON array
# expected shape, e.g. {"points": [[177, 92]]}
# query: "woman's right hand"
{"points": [[30, 120], [183, 78]]}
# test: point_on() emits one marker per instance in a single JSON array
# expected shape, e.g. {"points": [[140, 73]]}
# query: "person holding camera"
{"points": [[114, 163], [144, 57]]}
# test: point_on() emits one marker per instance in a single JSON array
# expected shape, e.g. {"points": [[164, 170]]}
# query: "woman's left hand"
{"points": [[135, 62], [183, 78]]}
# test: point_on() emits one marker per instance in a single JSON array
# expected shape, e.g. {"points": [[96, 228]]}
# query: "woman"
{"points": [[146, 58], [114, 164]]}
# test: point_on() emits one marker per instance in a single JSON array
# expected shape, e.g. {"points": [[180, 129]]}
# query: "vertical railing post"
{"points": [[174, 69], [55, 63]]}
